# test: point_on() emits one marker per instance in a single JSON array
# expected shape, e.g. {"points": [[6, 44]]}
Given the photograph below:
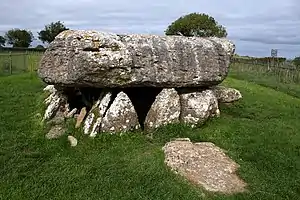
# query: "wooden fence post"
{"points": [[10, 63]]}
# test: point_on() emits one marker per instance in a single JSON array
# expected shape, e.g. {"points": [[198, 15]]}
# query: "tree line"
{"points": [[194, 24], [23, 38], [190, 25]]}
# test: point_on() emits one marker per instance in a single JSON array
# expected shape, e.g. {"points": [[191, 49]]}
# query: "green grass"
{"points": [[260, 132]]}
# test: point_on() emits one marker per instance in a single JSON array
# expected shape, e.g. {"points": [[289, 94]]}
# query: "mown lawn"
{"points": [[261, 133]]}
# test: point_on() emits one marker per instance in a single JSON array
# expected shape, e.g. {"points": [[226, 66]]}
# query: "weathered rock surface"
{"points": [[73, 141], [103, 107], [204, 164], [56, 132], [198, 106], [94, 119], [54, 102], [226, 95], [121, 115], [164, 110], [81, 117], [99, 59]]}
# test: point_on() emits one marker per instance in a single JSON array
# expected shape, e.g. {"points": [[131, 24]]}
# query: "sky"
{"points": [[255, 26]]}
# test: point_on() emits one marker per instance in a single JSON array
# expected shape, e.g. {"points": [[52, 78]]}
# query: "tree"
{"points": [[2, 41], [196, 24], [296, 61], [51, 31], [19, 38]]}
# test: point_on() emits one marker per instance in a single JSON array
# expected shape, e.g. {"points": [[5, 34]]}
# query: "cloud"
{"points": [[255, 26]]}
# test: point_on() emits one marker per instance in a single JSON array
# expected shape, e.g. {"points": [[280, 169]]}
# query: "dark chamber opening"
{"points": [[142, 99]]}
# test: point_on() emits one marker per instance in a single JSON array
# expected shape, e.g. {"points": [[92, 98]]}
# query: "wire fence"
{"points": [[18, 62], [283, 73]]}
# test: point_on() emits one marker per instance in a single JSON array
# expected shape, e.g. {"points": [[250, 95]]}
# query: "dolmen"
{"points": [[119, 83]]}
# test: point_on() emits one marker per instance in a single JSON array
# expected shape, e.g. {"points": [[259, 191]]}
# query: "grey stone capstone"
{"points": [[105, 60]]}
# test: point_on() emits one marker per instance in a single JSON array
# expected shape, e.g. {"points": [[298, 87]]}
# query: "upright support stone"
{"points": [[198, 106], [121, 116], [164, 110], [102, 108]]}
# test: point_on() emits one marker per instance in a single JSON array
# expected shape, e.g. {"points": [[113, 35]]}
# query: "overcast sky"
{"points": [[255, 26]]}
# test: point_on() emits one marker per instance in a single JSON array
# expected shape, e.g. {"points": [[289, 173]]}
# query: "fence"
{"points": [[284, 71], [12, 62]]}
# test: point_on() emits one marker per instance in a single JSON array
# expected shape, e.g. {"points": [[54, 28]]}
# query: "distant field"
{"points": [[18, 62]]}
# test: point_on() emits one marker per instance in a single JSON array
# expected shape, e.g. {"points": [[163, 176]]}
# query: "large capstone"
{"points": [[105, 60]]}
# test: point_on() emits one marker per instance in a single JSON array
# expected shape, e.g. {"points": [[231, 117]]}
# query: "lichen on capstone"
{"points": [[101, 59]]}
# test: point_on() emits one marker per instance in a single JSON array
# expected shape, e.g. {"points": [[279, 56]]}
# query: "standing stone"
{"points": [[121, 115], [164, 110], [80, 117], [55, 101], [102, 108], [88, 122], [94, 119], [198, 106], [226, 95], [104, 60]]}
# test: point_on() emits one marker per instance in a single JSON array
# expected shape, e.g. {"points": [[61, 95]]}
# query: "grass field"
{"points": [[260, 132]]}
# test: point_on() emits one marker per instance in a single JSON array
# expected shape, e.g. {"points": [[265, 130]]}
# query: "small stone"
{"points": [[55, 132], [72, 140], [81, 117], [226, 95], [71, 113]]}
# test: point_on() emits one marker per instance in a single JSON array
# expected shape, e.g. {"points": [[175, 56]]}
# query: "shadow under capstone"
{"points": [[142, 99]]}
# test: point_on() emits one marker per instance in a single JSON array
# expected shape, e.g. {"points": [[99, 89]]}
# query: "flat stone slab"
{"points": [[105, 60], [204, 164]]}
